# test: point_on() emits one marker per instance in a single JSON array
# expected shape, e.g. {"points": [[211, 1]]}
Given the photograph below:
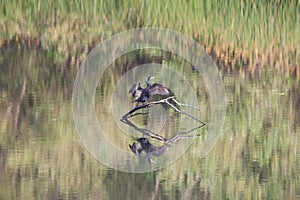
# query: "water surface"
{"points": [[257, 155]]}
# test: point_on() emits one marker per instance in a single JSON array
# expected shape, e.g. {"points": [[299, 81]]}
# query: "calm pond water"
{"points": [[42, 156]]}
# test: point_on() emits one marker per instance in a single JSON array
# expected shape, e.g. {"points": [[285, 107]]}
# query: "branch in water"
{"points": [[187, 105], [146, 106], [128, 114]]}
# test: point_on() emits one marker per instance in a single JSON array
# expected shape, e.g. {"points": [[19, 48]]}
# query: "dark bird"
{"points": [[150, 148], [147, 81], [142, 95], [136, 148], [136, 90]]}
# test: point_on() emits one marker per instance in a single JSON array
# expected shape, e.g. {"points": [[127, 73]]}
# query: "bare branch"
{"points": [[129, 113], [186, 105], [146, 106]]}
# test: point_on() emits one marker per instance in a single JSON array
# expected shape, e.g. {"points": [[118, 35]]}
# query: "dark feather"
{"points": [[152, 90], [157, 89], [149, 148], [142, 95], [136, 148], [136, 90]]}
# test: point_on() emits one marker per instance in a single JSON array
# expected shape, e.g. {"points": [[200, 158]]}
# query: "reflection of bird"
{"points": [[142, 95], [151, 149], [136, 148]]}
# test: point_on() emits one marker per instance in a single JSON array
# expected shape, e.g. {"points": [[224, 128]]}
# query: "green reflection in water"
{"points": [[256, 157]]}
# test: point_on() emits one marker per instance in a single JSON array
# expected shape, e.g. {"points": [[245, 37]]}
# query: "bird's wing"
{"points": [[134, 87], [158, 89]]}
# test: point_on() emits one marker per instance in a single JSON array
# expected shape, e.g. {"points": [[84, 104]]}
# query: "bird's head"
{"points": [[148, 80]]}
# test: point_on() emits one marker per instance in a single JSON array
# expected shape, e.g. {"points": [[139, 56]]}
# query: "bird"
{"points": [[136, 148], [150, 148], [136, 90], [147, 81], [143, 94]]}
